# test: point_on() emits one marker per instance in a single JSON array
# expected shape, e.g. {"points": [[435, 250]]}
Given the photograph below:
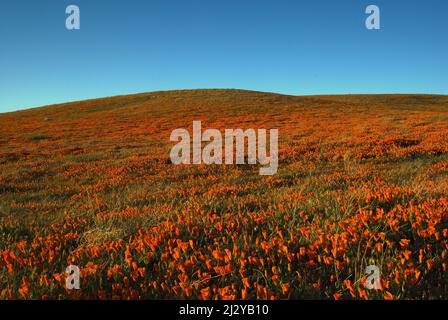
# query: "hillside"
{"points": [[362, 180]]}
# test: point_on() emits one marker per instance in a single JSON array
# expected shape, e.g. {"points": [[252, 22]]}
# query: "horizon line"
{"points": [[70, 101]]}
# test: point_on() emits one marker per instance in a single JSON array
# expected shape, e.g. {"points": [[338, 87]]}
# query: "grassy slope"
{"points": [[81, 177]]}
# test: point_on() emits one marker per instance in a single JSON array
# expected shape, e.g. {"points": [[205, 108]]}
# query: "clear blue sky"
{"points": [[295, 47]]}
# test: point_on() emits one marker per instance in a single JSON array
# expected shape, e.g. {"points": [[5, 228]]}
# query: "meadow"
{"points": [[361, 180]]}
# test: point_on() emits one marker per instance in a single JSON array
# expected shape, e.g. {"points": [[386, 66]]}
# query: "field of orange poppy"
{"points": [[362, 180]]}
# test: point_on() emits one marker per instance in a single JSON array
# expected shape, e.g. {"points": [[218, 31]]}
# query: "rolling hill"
{"points": [[362, 180]]}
